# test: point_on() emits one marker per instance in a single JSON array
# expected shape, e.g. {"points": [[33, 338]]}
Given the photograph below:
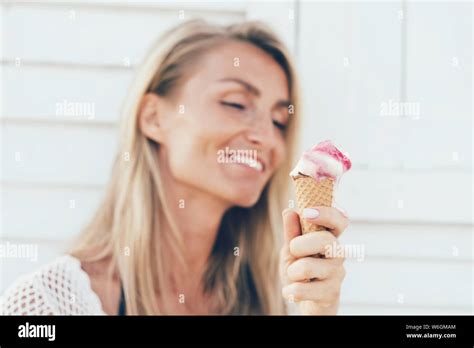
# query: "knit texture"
{"points": [[58, 288]]}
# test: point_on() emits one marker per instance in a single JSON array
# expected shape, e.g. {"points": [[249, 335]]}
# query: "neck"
{"points": [[197, 216]]}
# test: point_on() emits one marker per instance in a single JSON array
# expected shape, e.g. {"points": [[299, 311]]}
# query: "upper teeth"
{"points": [[254, 164]]}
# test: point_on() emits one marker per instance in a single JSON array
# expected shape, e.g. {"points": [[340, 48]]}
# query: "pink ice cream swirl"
{"points": [[323, 160]]}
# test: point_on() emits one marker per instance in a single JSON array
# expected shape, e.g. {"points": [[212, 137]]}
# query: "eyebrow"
{"points": [[253, 90]]}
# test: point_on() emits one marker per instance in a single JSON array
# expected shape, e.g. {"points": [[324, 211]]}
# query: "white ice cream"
{"points": [[319, 163]]}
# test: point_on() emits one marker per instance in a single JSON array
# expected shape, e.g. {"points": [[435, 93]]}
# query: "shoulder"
{"points": [[104, 282], [58, 288]]}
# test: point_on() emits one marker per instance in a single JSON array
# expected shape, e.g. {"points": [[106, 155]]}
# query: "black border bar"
{"points": [[288, 330]]}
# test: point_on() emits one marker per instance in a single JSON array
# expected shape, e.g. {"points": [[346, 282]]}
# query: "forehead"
{"points": [[244, 61]]}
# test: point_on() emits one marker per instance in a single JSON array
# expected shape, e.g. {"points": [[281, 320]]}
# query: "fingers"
{"points": [[298, 246], [321, 242], [314, 282], [291, 225], [308, 268], [291, 229], [325, 291], [285, 260], [329, 217]]}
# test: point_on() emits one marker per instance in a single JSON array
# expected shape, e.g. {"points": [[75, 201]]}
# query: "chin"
{"points": [[246, 204], [244, 200]]}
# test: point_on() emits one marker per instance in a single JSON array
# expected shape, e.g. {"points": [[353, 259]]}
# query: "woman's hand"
{"points": [[313, 282]]}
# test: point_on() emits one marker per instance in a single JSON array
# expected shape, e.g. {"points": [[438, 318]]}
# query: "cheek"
{"points": [[179, 158], [190, 150], [186, 153]]}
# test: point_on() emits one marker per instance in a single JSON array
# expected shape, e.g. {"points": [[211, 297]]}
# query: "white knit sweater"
{"points": [[58, 288]]}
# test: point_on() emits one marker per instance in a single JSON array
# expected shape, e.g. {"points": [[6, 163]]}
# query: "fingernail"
{"points": [[310, 213]]}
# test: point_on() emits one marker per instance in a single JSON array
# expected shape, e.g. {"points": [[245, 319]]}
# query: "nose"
{"points": [[261, 131]]}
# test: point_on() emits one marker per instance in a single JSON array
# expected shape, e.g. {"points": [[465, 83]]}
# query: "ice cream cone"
{"points": [[315, 175], [310, 193]]}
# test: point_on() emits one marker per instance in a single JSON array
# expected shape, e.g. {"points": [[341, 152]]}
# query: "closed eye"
{"points": [[282, 127], [279, 125], [233, 105]]}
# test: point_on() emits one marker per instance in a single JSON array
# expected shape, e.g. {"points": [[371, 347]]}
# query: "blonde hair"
{"points": [[125, 227]]}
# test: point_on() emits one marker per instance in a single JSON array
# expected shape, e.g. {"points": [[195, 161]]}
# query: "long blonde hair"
{"points": [[125, 227]]}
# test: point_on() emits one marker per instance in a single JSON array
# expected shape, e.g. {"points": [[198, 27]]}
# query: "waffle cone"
{"points": [[310, 193]]}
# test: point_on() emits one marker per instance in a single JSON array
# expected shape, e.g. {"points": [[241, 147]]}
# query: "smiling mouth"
{"points": [[255, 164], [252, 163]]}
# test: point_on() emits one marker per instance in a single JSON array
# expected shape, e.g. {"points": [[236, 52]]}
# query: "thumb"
{"points": [[291, 225]]}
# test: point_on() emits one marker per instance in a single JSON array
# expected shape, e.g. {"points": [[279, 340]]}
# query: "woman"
{"points": [[185, 227]]}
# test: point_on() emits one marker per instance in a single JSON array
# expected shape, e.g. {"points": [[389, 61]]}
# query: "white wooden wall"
{"points": [[410, 192]]}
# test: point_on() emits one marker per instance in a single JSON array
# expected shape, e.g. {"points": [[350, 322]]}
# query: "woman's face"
{"points": [[223, 132]]}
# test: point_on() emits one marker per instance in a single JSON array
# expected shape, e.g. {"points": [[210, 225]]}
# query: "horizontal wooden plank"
{"points": [[407, 196], [55, 214], [451, 243], [57, 154], [68, 94], [92, 35], [407, 282], [415, 144]]}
